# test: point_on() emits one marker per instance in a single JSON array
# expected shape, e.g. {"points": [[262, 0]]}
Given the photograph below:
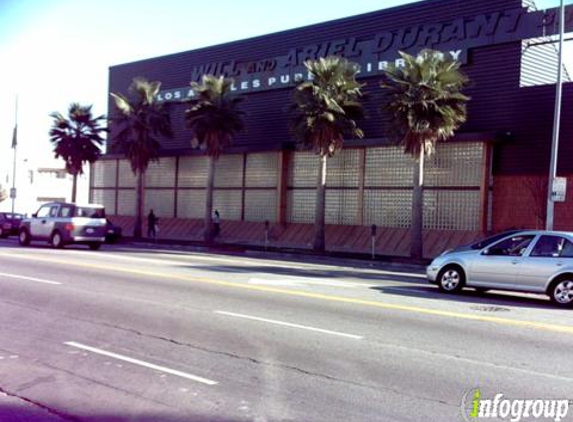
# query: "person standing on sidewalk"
{"points": [[151, 225], [216, 223]]}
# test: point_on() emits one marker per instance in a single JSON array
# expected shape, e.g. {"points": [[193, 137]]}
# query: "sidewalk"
{"points": [[339, 259]]}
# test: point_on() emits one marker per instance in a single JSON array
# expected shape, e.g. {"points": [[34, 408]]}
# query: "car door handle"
{"points": [[43, 221], [514, 262], [559, 264]]}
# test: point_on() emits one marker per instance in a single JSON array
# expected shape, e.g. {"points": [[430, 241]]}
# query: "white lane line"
{"points": [[141, 363], [301, 281], [288, 324], [37, 280]]}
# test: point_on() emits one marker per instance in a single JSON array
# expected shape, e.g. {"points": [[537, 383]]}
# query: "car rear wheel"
{"points": [[24, 237], [56, 240], [94, 246], [451, 279], [561, 292]]}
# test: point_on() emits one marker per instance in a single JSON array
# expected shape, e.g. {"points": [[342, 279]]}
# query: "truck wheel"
{"points": [[24, 237], [56, 240]]}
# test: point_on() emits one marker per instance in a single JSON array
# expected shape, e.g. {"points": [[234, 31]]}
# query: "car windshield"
{"points": [[484, 243], [90, 212]]}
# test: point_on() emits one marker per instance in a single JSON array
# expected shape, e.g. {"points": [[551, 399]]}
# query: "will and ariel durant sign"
{"points": [[453, 38]]}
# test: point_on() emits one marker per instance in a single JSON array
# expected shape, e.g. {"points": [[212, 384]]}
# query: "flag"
{"points": [[15, 137]]}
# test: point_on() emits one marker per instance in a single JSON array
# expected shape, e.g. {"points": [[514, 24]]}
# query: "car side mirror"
{"points": [[34, 215], [486, 251]]}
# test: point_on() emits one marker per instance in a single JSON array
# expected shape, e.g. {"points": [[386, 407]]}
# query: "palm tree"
{"points": [[77, 138], [427, 107], [140, 120], [325, 110], [214, 117]]}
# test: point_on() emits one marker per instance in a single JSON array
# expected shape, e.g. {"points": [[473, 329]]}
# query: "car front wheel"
{"points": [[451, 279], [24, 237], [561, 292]]}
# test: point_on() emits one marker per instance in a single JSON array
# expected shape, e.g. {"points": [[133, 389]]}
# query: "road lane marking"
{"points": [[297, 281], [140, 363], [310, 295], [37, 280], [288, 324]]}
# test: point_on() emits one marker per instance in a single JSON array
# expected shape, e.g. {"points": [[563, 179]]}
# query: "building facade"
{"points": [[490, 177]]}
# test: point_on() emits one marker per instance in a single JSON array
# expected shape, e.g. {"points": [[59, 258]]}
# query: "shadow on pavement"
{"points": [[10, 413], [489, 300], [298, 272]]}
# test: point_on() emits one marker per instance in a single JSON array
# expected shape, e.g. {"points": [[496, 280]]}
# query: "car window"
{"points": [[66, 211], [484, 243], [43, 211], [567, 249], [90, 212], [548, 247], [54, 211], [514, 246]]}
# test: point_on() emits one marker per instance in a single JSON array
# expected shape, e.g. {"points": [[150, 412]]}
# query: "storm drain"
{"points": [[489, 308]]}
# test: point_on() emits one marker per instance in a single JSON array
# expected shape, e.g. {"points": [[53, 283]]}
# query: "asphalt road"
{"points": [[127, 334]]}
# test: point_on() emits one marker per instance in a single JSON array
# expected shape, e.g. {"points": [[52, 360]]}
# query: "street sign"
{"points": [[12, 193], [559, 189]]}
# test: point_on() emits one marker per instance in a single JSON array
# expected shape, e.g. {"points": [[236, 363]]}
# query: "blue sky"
{"points": [[53, 52]]}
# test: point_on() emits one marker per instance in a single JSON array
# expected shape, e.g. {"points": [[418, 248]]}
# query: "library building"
{"points": [[491, 176]]}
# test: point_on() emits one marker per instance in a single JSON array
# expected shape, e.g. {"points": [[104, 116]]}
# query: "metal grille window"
{"points": [[262, 170], [126, 176], [343, 170], [126, 202], [341, 206], [451, 210], [303, 171], [105, 197], [161, 173], [103, 173], [455, 164], [191, 203], [388, 166], [388, 208], [260, 205], [228, 203], [161, 201], [193, 171], [301, 205], [229, 171]]}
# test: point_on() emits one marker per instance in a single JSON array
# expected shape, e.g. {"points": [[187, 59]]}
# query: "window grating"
{"points": [[161, 173], [126, 202], [388, 208], [191, 203], [451, 210], [193, 171], [126, 176], [228, 203], [455, 165], [388, 166], [161, 201], [229, 171], [261, 205], [103, 173], [262, 170], [105, 197]]}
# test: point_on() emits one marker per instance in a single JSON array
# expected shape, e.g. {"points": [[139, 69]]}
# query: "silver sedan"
{"points": [[526, 261]]}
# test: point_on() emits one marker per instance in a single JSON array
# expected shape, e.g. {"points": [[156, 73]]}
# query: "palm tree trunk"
{"points": [[138, 205], [208, 233], [416, 240], [74, 186], [319, 236]]}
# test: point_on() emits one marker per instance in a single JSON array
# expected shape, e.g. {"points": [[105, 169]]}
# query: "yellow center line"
{"points": [[326, 297]]}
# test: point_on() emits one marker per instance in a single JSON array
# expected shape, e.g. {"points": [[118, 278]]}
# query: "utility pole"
{"points": [[556, 122], [14, 147]]}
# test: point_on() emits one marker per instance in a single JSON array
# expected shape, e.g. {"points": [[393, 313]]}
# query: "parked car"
{"points": [[9, 223], [62, 223], [113, 232], [527, 261]]}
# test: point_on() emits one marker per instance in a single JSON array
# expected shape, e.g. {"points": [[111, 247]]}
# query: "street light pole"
{"points": [[556, 122]]}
